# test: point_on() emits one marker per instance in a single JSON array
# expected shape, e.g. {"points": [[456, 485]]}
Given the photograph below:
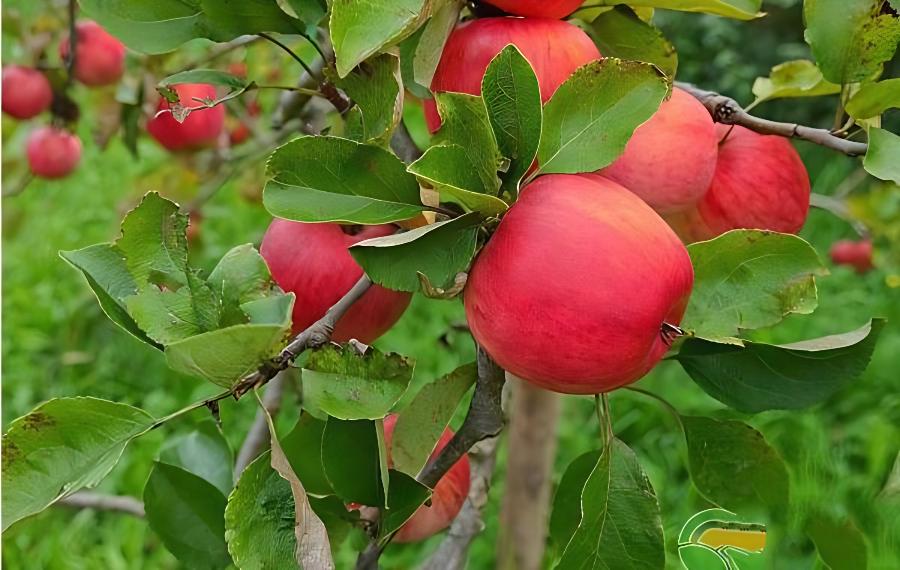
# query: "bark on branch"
{"points": [[727, 111], [101, 502]]}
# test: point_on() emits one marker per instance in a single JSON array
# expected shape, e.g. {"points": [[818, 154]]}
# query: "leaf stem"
{"points": [[296, 57], [669, 407]]}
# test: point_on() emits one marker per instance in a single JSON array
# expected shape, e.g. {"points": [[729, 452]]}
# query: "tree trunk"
{"points": [[534, 414]]}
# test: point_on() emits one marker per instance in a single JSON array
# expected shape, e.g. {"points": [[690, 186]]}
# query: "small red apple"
{"points": [[200, 129], [99, 57], [26, 92], [554, 48], [856, 254], [449, 494], [537, 8], [671, 159], [241, 131], [760, 183], [52, 153], [312, 261], [572, 291]]}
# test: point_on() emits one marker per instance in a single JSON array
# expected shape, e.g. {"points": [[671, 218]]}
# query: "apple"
{"points": [[52, 152], [26, 92], [312, 261], [760, 183], [449, 494], [856, 254], [200, 129], [575, 290], [554, 48], [240, 132], [99, 57], [670, 160], [537, 8]]}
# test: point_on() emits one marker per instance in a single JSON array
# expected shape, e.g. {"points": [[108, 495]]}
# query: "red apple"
{"points": [[554, 48], [240, 132], [572, 291], [52, 152], [200, 129], [760, 183], [671, 159], [856, 254], [26, 92], [312, 261], [449, 494], [99, 57], [537, 8]]}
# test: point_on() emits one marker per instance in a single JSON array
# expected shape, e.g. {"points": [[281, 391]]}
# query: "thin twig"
{"points": [[284, 47], [101, 502], [727, 111], [257, 439], [221, 49], [73, 43]]}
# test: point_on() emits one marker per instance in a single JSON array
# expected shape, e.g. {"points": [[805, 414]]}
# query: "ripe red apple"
{"points": [[200, 129], [537, 8], [572, 291], [52, 153], [760, 183], [554, 48], [671, 159], [26, 92], [99, 57], [449, 494], [856, 254], [312, 261]]}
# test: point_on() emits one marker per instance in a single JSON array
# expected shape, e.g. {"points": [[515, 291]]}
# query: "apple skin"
{"points": [[760, 183], [573, 288], [554, 48], [449, 494], [670, 160], [26, 92], [99, 57], [52, 153], [312, 261], [537, 8], [856, 254], [201, 128]]}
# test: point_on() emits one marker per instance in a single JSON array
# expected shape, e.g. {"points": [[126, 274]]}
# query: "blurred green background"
{"points": [[57, 342]]}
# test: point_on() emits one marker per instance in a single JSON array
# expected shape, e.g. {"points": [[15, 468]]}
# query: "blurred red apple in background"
{"points": [[856, 254], [26, 92], [200, 129], [99, 57], [52, 152]]}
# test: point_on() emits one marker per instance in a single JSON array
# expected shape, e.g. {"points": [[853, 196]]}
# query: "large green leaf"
{"points": [[438, 251], [749, 279], [351, 457], [420, 424], [303, 448], [203, 451], [352, 386], [797, 78], [449, 170], [465, 123], [62, 446], [883, 157], [733, 466], [375, 87], [330, 179], [566, 513], [621, 33], [850, 39], [512, 98], [757, 376], [431, 41], [841, 545], [740, 9], [188, 514], [620, 518], [873, 99], [590, 118], [241, 276], [405, 497]]}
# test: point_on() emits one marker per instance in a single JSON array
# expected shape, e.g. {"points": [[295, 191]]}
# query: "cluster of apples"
{"points": [[53, 151]]}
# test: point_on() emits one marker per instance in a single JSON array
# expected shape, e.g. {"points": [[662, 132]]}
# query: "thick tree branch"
{"points": [[404, 146], [727, 111], [257, 439], [101, 502]]}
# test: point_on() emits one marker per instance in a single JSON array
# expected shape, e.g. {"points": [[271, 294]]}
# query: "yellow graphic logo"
{"points": [[716, 539]]}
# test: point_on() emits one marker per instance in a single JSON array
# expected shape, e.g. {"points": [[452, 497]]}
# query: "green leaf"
{"points": [[797, 78], [240, 277], [749, 279], [465, 123], [420, 425], [375, 87], [620, 518], [308, 11], [352, 386], [566, 514], [204, 452], [168, 316], [882, 157], [850, 39], [873, 99], [758, 377], [513, 102], [431, 42], [590, 118], [405, 497], [439, 251], [330, 179], [361, 29], [841, 546], [449, 170], [733, 466], [351, 459], [621, 33], [62, 446], [303, 448], [188, 514], [739, 9]]}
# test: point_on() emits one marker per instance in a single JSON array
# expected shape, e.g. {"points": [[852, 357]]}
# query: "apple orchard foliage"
{"points": [[540, 182]]}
